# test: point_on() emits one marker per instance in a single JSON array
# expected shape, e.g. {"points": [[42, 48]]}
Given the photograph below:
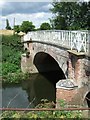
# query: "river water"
{"points": [[29, 93]]}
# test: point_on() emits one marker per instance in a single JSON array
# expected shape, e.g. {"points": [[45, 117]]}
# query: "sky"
{"points": [[36, 12]]}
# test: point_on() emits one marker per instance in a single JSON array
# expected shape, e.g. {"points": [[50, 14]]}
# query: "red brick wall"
{"points": [[64, 94], [72, 97]]}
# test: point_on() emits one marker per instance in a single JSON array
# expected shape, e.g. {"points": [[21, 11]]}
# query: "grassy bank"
{"points": [[12, 48], [38, 115]]}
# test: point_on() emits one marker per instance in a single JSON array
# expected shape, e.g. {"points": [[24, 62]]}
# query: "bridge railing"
{"points": [[78, 40]]}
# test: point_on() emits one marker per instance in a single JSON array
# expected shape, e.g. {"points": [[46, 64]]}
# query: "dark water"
{"points": [[30, 92]]}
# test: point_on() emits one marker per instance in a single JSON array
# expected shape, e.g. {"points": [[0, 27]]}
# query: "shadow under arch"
{"points": [[50, 73], [48, 67], [88, 99]]}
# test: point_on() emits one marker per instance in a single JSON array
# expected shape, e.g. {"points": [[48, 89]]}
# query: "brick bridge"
{"points": [[66, 52]]}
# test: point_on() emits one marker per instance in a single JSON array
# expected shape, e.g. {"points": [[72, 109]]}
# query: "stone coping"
{"points": [[76, 53], [66, 84]]}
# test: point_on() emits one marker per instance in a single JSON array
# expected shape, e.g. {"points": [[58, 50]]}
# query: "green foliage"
{"points": [[17, 28], [11, 53], [12, 49], [15, 77], [43, 114], [47, 115], [10, 114], [71, 15], [9, 68], [7, 25], [59, 23], [27, 26], [46, 104], [62, 103], [45, 26]]}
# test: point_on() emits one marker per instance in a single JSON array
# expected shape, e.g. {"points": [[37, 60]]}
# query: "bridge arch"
{"points": [[48, 66], [87, 99]]}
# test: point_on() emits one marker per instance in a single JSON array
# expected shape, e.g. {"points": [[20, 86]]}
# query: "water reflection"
{"points": [[39, 88], [30, 92], [14, 96]]}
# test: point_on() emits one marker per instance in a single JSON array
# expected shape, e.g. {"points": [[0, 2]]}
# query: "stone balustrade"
{"points": [[77, 40]]}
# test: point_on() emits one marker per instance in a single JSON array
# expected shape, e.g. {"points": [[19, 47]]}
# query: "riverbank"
{"points": [[43, 112], [12, 48]]}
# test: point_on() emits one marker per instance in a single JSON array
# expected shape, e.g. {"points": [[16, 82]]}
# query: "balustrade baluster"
{"points": [[78, 40]]}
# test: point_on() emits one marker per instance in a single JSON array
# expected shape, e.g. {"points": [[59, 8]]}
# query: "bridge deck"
{"points": [[74, 40]]}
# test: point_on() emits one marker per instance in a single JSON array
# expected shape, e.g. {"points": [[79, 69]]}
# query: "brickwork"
{"points": [[72, 97], [77, 70], [74, 67], [60, 55], [65, 94]]}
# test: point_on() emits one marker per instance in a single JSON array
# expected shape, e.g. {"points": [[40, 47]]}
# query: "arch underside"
{"points": [[88, 99], [48, 66]]}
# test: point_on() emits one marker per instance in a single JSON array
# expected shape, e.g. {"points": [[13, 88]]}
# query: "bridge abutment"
{"points": [[27, 64], [79, 74], [76, 69], [72, 96]]}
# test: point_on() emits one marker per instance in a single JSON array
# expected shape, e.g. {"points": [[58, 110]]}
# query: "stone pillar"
{"points": [[79, 71], [76, 69], [71, 67]]}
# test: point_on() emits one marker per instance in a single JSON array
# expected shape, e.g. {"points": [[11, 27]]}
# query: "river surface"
{"points": [[29, 93]]}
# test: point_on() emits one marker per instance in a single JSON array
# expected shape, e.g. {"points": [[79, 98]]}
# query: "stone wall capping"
{"points": [[76, 53], [66, 84]]}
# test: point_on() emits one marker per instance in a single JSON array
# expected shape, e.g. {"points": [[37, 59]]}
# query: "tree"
{"points": [[7, 25], [17, 28], [27, 26], [59, 23], [45, 26], [71, 15]]}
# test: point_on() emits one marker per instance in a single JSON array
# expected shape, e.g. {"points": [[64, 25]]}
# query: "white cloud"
{"points": [[24, 11], [36, 18], [39, 15], [2, 2], [48, 6], [86, 0], [25, 7]]}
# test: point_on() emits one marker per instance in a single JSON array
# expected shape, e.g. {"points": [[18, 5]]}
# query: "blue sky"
{"points": [[37, 12]]}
